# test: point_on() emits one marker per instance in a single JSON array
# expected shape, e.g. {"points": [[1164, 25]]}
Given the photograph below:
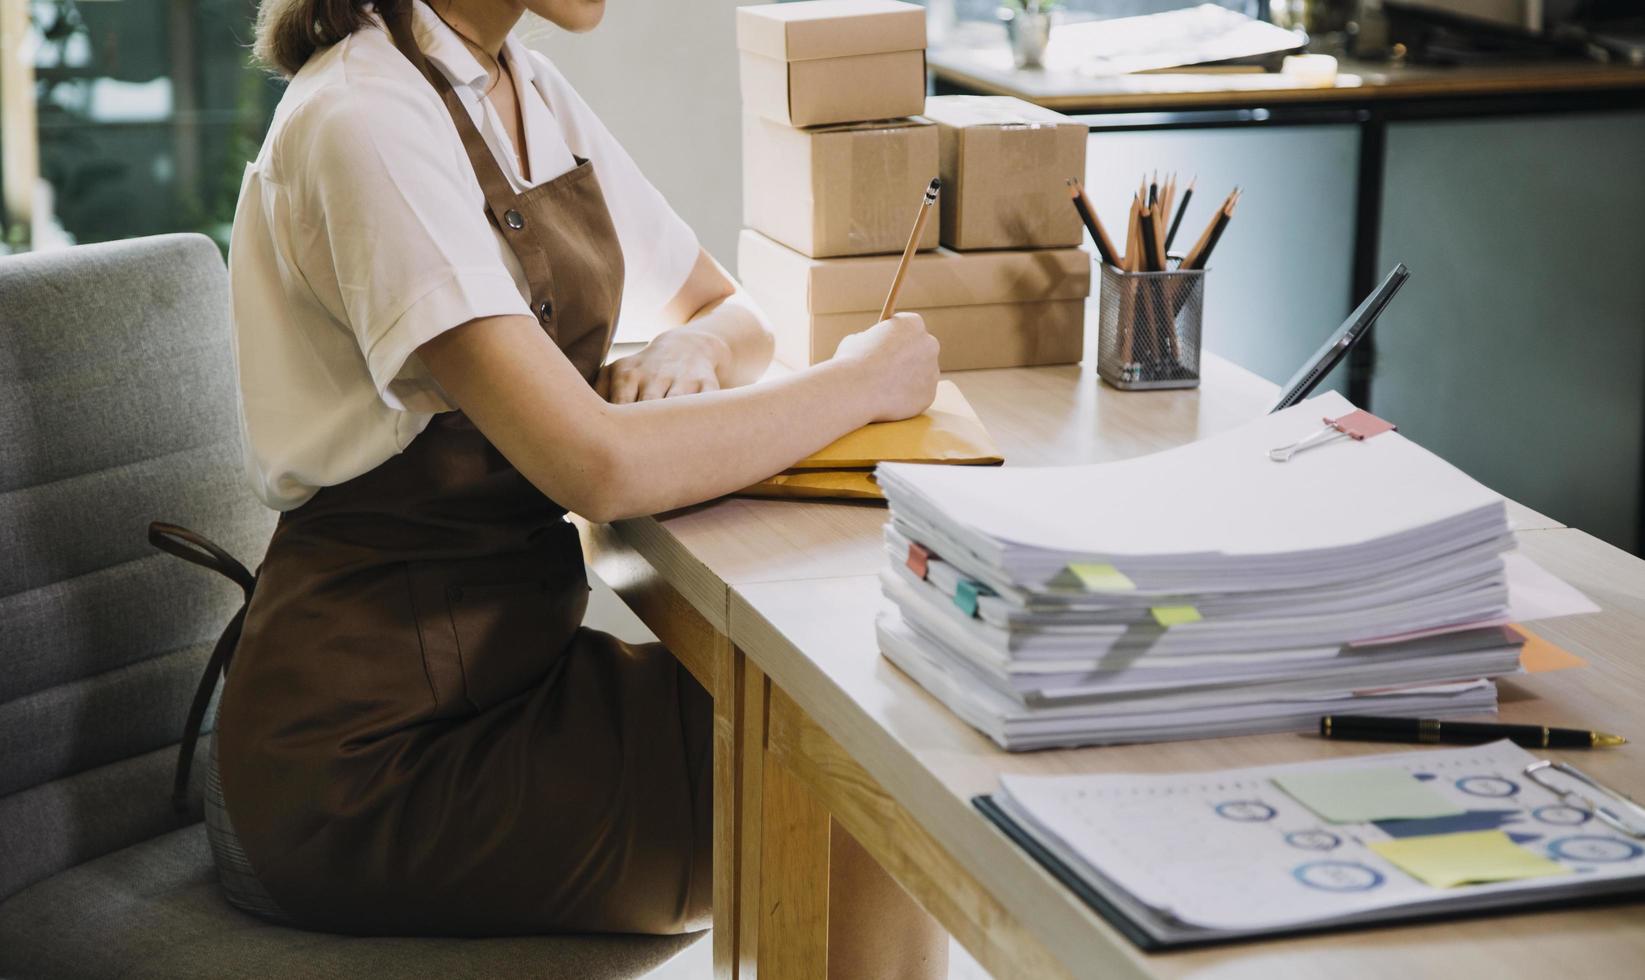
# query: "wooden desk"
{"points": [[771, 602]]}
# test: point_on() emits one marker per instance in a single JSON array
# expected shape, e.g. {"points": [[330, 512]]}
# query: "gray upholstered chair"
{"points": [[117, 407]]}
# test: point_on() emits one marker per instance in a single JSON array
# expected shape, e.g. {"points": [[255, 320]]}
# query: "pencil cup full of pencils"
{"points": [[1148, 328], [1152, 311]]}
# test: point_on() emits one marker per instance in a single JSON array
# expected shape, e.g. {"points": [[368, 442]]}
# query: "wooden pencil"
{"points": [[1198, 254], [930, 198], [1131, 251], [1099, 234], [1176, 221]]}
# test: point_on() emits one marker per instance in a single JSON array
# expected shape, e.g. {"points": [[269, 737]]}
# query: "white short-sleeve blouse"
{"points": [[361, 233]]}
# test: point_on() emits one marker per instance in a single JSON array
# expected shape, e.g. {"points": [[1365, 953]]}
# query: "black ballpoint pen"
{"points": [[1374, 729]]}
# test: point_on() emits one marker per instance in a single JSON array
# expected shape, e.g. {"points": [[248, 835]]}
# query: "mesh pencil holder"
{"points": [[1148, 328]]}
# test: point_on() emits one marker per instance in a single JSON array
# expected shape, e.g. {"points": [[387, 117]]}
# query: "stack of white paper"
{"points": [[1206, 589]]}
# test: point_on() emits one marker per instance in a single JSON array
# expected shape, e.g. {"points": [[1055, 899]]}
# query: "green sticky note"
{"points": [[1175, 615], [965, 596], [1471, 858], [1359, 795], [1101, 578]]}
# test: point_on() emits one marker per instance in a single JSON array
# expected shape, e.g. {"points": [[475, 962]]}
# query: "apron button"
{"points": [[545, 311], [514, 219]]}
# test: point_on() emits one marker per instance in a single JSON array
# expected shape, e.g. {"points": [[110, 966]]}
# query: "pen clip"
{"points": [[1621, 813]]}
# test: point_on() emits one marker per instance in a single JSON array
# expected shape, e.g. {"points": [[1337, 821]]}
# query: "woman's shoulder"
{"points": [[362, 86]]}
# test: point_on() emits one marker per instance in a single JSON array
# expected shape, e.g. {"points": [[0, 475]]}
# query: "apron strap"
{"points": [[502, 204], [499, 193], [199, 550]]}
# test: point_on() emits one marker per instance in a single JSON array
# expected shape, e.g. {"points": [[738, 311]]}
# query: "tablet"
{"points": [[1358, 324]]}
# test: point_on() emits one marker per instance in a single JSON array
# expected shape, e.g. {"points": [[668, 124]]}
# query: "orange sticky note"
{"points": [[919, 559], [1538, 656]]}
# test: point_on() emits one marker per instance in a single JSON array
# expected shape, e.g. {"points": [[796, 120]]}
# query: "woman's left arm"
{"points": [[720, 340]]}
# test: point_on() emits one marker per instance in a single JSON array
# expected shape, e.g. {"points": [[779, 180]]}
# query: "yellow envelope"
{"points": [[947, 432], [835, 484]]}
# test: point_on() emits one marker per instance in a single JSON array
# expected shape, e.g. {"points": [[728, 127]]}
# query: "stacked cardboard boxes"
{"points": [[836, 155]]}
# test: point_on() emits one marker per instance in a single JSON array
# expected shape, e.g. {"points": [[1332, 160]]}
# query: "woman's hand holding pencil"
{"points": [[897, 357]]}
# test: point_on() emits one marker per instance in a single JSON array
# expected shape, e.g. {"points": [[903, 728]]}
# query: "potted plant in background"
{"points": [[1028, 26]]}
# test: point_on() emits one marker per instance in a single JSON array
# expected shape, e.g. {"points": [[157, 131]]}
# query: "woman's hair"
{"points": [[290, 31]]}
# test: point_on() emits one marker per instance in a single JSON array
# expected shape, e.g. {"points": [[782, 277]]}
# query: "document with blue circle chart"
{"points": [[1203, 857]]}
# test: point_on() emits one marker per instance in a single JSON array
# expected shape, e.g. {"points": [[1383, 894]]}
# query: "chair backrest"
{"points": [[117, 407]]}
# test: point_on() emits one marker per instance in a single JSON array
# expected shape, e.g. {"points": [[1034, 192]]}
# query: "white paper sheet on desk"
{"points": [[1193, 36], [1220, 495], [1534, 593]]}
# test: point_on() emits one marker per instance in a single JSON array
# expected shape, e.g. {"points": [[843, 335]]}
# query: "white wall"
{"points": [[663, 76]]}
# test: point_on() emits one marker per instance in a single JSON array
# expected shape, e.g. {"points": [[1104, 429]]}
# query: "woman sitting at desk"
{"points": [[428, 259]]}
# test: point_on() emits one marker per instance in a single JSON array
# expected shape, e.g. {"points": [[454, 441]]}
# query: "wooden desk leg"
{"points": [[728, 737], [783, 917], [797, 747]]}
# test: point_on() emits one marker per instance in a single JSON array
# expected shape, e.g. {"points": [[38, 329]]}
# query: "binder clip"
{"points": [[1358, 425]]}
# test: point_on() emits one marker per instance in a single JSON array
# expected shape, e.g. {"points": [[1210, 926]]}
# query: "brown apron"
{"points": [[417, 735]]}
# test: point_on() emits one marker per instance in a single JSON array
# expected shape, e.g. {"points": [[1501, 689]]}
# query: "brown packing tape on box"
{"points": [[1005, 166], [987, 309], [829, 61], [838, 190]]}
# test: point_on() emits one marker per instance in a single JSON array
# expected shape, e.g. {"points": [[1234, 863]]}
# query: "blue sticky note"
{"points": [[965, 596]]}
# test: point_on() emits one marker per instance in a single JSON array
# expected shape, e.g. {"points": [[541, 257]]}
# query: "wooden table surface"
{"points": [[793, 585], [989, 70]]}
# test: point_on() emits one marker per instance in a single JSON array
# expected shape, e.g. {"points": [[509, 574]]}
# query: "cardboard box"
{"points": [[1005, 170], [832, 61], [988, 309], [850, 189]]}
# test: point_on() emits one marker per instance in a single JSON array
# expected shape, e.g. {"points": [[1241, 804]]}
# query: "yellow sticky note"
{"points": [[1472, 858], [1101, 578], [1175, 615]]}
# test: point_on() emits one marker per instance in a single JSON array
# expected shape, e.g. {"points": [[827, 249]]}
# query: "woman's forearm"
{"points": [[608, 461], [679, 451]]}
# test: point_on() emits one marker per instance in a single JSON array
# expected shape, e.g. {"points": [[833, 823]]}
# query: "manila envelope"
{"points": [[947, 432]]}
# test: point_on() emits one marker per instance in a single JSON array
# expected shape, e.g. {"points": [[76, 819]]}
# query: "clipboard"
{"points": [[1158, 929], [1149, 944]]}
